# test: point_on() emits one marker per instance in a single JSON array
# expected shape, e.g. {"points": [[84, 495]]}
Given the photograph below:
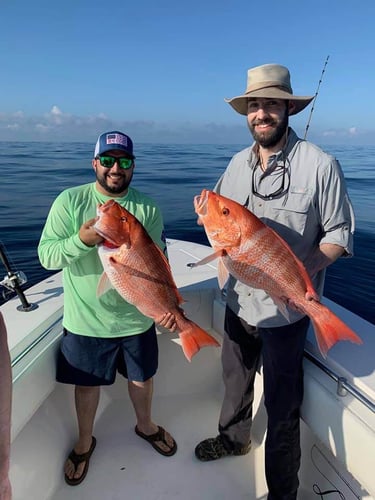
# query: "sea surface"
{"points": [[33, 173]]}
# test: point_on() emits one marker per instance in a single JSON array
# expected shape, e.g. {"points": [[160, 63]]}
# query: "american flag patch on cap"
{"points": [[117, 139]]}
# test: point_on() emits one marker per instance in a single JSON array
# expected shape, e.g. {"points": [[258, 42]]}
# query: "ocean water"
{"points": [[32, 174]]}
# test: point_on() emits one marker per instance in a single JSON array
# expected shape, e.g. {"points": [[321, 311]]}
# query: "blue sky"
{"points": [[160, 69]]}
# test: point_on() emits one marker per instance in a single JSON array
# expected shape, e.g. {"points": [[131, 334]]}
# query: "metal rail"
{"points": [[343, 386], [37, 341]]}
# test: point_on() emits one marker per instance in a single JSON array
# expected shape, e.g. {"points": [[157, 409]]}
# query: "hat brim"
{"points": [[239, 103]]}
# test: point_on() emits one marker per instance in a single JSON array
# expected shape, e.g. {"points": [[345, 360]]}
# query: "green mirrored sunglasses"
{"points": [[109, 161]]}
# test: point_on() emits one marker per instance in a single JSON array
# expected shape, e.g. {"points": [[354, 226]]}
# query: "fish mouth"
{"points": [[105, 236], [201, 209], [200, 203], [104, 207]]}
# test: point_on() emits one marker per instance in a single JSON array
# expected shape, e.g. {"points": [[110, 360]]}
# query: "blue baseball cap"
{"points": [[113, 140]]}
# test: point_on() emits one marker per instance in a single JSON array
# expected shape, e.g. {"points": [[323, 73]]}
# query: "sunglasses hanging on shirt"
{"points": [[280, 191]]}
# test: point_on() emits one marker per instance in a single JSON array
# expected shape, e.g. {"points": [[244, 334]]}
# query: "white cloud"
{"points": [[41, 127], [55, 111], [367, 137], [56, 116], [56, 125]]}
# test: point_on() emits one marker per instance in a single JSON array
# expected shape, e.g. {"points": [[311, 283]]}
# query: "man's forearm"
{"points": [[323, 257]]}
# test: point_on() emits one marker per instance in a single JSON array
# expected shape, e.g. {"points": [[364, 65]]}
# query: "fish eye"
{"points": [[225, 211]]}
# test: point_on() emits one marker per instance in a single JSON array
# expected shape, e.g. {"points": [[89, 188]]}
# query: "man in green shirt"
{"points": [[107, 334]]}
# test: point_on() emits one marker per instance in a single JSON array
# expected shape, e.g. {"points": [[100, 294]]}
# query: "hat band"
{"points": [[265, 85]]}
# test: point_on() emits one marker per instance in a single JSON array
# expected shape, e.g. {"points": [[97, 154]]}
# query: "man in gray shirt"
{"points": [[299, 191]]}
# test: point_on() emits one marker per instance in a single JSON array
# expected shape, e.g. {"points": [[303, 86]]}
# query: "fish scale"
{"points": [[138, 282]]}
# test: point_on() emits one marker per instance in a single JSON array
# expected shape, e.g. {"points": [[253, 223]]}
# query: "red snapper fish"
{"points": [[139, 271], [258, 257]]}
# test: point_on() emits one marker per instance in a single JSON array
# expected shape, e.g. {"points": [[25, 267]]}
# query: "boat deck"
{"points": [[187, 400], [125, 466]]}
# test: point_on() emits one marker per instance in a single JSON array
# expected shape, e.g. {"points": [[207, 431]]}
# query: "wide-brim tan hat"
{"points": [[270, 81]]}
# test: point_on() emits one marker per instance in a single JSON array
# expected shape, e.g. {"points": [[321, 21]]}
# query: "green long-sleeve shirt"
{"points": [[61, 248]]}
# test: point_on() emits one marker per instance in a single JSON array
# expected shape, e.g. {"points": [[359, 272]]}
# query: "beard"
{"points": [[271, 138], [118, 188]]}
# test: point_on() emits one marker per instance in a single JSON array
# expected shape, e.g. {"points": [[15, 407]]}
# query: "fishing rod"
{"points": [[316, 95]]}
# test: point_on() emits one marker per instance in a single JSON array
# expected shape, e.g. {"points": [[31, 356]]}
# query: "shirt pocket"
{"points": [[293, 212]]}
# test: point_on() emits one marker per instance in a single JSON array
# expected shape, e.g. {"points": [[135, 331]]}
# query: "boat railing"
{"points": [[343, 386], [38, 340]]}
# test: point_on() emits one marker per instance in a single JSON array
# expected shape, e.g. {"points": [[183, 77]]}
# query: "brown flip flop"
{"points": [[154, 438], [77, 459]]}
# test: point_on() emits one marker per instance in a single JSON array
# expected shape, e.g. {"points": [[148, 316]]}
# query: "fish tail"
{"points": [[330, 329], [194, 338]]}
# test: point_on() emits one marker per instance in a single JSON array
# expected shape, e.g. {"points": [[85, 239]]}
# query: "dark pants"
{"points": [[282, 352]]}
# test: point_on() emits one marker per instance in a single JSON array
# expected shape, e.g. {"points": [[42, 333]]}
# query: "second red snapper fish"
{"points": [[139, 271], [258, 257]]}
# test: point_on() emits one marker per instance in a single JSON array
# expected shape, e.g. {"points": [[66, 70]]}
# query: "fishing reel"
{"points": [[10, 283]]}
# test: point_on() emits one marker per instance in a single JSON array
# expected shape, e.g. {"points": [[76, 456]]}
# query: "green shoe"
{"points": [[213, 448]]}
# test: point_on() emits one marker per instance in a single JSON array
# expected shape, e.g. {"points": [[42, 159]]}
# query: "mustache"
{"points": [[266, 121]]}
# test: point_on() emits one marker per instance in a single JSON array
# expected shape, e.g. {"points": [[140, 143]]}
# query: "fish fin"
{"points": [[223, 274], [330, 329], [194, 338], [208, 259], [281, 305], [103, 286]]}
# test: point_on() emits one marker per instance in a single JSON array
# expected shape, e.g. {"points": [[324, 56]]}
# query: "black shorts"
{"points": [[92, 361]]}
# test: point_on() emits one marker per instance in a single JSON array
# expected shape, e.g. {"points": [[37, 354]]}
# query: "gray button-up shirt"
{"points": [[314, 208]]}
